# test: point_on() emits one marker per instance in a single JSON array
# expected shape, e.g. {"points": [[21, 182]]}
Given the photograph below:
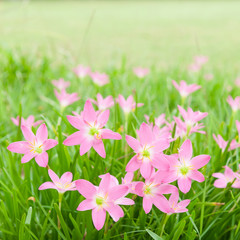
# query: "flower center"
{"points": [[99, 201], [146, 153], [184, 170], [38, 150], [93, 131], [147, 190]]}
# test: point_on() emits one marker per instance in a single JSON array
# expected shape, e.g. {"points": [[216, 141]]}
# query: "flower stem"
{"points": [[164, 221], [106, 225], [60, 196]]}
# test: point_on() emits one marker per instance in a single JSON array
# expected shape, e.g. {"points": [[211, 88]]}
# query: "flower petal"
{"points": [[75, 122], [98, 217], [146, 169], [133, 164], [42, 133], [49, 143], [27, 157], [85, 146], [89, 114], [117, 192], [87, 189], [200, 161], [133, 143], [147, 204], [99, 148], [74, 139], [196, 175], [42, 159], [185, 151], [162, 203], [85, 205], [19, 147], [145, 134], [105, 182], [103, 118], [66, 178], [109, 134], [53, 176], [124, 201], [184, 184], [47, 185], [220, 183], [28, 134], [115, 212]]}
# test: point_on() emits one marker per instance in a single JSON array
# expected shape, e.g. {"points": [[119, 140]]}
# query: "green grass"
{"points": [[25, 80], [146, 32], [38, 44]]}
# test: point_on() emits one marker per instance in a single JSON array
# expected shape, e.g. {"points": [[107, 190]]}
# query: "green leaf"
{"points": [[154, 235]]}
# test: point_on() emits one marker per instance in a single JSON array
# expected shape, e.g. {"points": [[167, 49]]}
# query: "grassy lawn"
{"points": [[146, 32], [42, 41]]}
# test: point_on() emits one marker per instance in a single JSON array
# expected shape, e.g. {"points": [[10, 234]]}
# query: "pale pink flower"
{"points": [[149, 151], [184, 168], [152, 191], [102, 199], [82, 71], [208, 76], [128, 105], [194, 67], [237, 82], [60, 84], [223, 144], [141, 72], [29, 122], [103, 103], [200, 60], [62, 184], [185, 89], [175, 206], [66, 99], [228, 177], [35, 146], [190, 124], [234, 103], [99, 78], [91, 132], [159, 121]]}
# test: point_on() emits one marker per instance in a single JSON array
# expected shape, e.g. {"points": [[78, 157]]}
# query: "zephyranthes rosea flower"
{"points": [[29, 122], [223, 144], [185, 89], [152, 192], [128, 105], [91, 131], [184, 168], [82, 71], [62, 184], [35, 146], [190, 124], [103, 103], [61, 84], [99, 78], [175, 206], [148, 151], [102, 199], [227, 177], [141, 72], [234, 103], [66, 99]]}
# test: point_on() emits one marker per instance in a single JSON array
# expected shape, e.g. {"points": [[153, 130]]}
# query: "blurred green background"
{"points": [[99, 33]]}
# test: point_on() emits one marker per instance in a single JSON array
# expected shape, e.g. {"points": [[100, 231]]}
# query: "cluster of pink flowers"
{"points": [[198, 63], [98, 78], [150, 171]]}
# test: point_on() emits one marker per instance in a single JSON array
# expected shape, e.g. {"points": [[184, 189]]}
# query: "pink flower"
{"points": [[128, 105], [91, 132], [82, 71], [141, 72], [159, 121], [228, 177], [99, 78], [102, 199], [184, 168], [35, 146], [175, 206], [234, 103], [185, 89], [148, 151], [61, 84], [66, 99], [62, 184], [103, 103], [29, 122], [194, 67], [200, 60], [208, 76], [237, 82], [152, 192], [190, 124], [223, 144]]}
